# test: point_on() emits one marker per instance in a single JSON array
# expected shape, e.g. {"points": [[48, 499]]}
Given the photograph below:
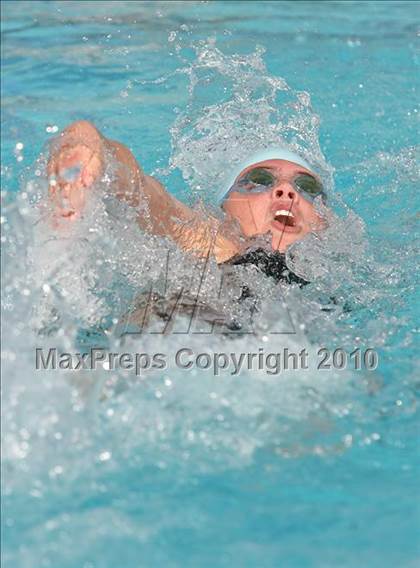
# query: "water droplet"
{"points": [[56, 471], [105, 456]]}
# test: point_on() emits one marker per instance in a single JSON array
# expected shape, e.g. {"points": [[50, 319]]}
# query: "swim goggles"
{"points": [[259, 180]]}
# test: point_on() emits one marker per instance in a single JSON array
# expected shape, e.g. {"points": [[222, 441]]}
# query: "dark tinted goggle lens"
{"points": [[308, 184], [258, 176], [262, 178]]}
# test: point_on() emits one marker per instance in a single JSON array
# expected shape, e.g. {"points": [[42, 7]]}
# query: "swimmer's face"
{"points": [[265, 199]]}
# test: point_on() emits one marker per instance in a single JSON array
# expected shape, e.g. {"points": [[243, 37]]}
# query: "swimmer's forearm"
{"points": [[166, 215], [137, 188], [159, 212]]}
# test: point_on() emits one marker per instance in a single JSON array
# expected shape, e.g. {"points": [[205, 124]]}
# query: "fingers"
{"points": [[70, 172], [75, 163]]}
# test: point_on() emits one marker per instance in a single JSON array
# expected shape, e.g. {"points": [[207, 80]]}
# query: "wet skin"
{"points": [[77, 160], [256, 210]]}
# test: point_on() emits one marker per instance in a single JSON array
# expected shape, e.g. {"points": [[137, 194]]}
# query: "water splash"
{"points": [[236, 107], [81, 282]]}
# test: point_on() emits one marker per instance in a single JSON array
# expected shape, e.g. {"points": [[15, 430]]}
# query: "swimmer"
{"points": [[272, 194]]}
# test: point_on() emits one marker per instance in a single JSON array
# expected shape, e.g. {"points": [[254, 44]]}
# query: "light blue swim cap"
{"points": [[272, 153]]}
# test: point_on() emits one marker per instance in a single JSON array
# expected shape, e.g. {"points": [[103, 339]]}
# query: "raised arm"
{"points": [[78, 158]]}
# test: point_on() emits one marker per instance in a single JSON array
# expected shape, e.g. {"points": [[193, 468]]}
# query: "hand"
{"points": [[71, 171]]}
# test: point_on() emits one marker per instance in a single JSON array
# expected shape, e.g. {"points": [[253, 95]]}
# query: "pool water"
{"points": [[178, 468]]}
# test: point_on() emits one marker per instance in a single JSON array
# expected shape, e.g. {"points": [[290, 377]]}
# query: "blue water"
{"points": [[321, 471]]}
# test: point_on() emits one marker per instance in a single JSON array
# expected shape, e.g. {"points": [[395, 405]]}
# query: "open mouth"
{"points": [[285, 217]]}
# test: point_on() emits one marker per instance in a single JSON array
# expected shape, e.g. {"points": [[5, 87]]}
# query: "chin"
{"points": [[281, 242]]}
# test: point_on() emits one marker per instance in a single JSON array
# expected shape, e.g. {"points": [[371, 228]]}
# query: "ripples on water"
{"points": [[95, 456]]}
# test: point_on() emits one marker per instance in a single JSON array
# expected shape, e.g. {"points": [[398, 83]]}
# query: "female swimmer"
{"points": [[272, 194]]}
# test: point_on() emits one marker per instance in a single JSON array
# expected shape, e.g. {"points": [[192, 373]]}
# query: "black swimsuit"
{"points": [[272, 264]]}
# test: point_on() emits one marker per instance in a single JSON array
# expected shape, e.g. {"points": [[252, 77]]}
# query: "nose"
{"points": [[285, 191]]}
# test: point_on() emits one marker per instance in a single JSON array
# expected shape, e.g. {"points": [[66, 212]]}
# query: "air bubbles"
{"points": [[348, 440], [370, 439], [56, 471], [18, 151], [105, 456], [354, 42]]}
